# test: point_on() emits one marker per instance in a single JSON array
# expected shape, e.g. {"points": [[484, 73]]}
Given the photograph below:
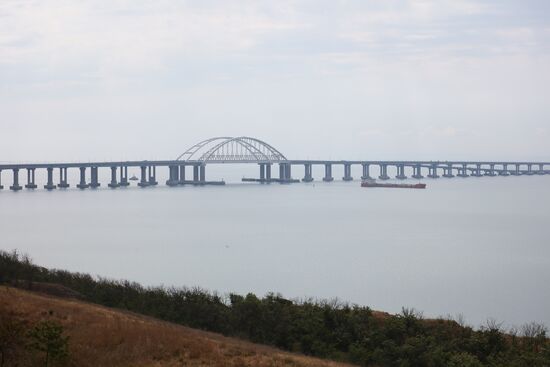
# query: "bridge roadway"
{"points": [[177, 170]]}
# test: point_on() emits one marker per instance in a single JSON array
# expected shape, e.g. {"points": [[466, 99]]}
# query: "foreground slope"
{"points": [[101, 336]]}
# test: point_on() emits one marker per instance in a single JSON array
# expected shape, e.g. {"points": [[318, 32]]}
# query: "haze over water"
{"points": [[473, 246]]}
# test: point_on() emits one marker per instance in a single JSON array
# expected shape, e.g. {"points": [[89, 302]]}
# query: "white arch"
{"points": [[231, 150]]}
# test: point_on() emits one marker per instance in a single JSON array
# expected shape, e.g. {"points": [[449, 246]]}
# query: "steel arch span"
{"points": [[242, 149]]}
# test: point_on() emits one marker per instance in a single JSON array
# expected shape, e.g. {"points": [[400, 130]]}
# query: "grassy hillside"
{"points": [[323, 329], [100, 336]]}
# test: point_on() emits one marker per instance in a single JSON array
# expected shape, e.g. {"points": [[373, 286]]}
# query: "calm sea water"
{"points": [[479, 246]]}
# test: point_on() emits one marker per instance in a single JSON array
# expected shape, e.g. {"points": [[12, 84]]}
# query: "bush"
{"points": [[326, 329], [46, 337]]}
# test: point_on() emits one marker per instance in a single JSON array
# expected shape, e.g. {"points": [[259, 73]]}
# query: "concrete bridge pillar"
{"points": [[504, 171], [202, 173], [30, 179], [113, 184], [384, 172], [491, 171], [477, 171], [124, 176], [63, 182], [516, 171], [417, 172], [448, 171], [541, 169], [288, 171], [308, 177], [463, 172], [15, 186], [173, 176], [530, 170], [1, 186], [433, 171], [262, 172], [328, 173], [285, 172], [143, 182], [366, 172], [82, 184], [153, 176], [268, 172], [182, 174], [94, 180], [347, 172], [50, 185], [401, 172], [265, 172]]}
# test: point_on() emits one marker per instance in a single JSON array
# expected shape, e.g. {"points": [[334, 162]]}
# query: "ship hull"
{"points": [[394, 186]]}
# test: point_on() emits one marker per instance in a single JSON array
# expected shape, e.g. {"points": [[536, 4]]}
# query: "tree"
{"points": [[47, 338], [11, 334], [534, 335], [464, 360]]}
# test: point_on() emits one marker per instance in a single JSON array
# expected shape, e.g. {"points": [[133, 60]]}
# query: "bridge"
{"points": [[231, 150]]}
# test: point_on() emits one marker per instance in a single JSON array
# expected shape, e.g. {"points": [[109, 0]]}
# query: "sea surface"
{"points": [[479, 247]]}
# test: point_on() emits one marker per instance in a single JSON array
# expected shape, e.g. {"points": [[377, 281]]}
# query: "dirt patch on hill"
{"points": [[100, 336]]}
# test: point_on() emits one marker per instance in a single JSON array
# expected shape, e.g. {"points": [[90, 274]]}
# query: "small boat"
{"points": [[373, 183], [134, 178]]}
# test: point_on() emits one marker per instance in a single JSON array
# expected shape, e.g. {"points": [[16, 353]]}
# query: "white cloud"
{"points": [[397, 73]]}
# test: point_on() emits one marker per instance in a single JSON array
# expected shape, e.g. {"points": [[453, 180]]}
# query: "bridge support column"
{"points": [[417, 172], [288, 172], [477, 171], [50, 185], [124, 176], [15, 186], [182, 174], [268, 172], [530, 170], [308, 177], [463, 172], [63, 182], [384, 172], [504, 171], [448, 171], [143, 182], [262, 172], [347, 172], [401, 172], [202, 173], [516, 171], [366, 173], [285, 172], [541, 170], [82, 184], [265, 172], [173, 178], [153, 176], [433, 171], [113, 184], [94, 180], [30, 179], [491, 171], [328, 173], [1, 186]]}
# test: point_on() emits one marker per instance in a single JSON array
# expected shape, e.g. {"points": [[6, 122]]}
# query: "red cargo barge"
{"points": [[393, 185]]}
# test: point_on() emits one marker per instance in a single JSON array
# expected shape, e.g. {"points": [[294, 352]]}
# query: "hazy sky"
{"points": [[403, 79]]}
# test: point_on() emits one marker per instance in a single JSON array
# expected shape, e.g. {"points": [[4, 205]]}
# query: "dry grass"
{"points": [[100, 336]]}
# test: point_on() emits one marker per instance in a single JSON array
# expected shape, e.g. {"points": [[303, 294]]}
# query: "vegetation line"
{"points": [[323, 329]]}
